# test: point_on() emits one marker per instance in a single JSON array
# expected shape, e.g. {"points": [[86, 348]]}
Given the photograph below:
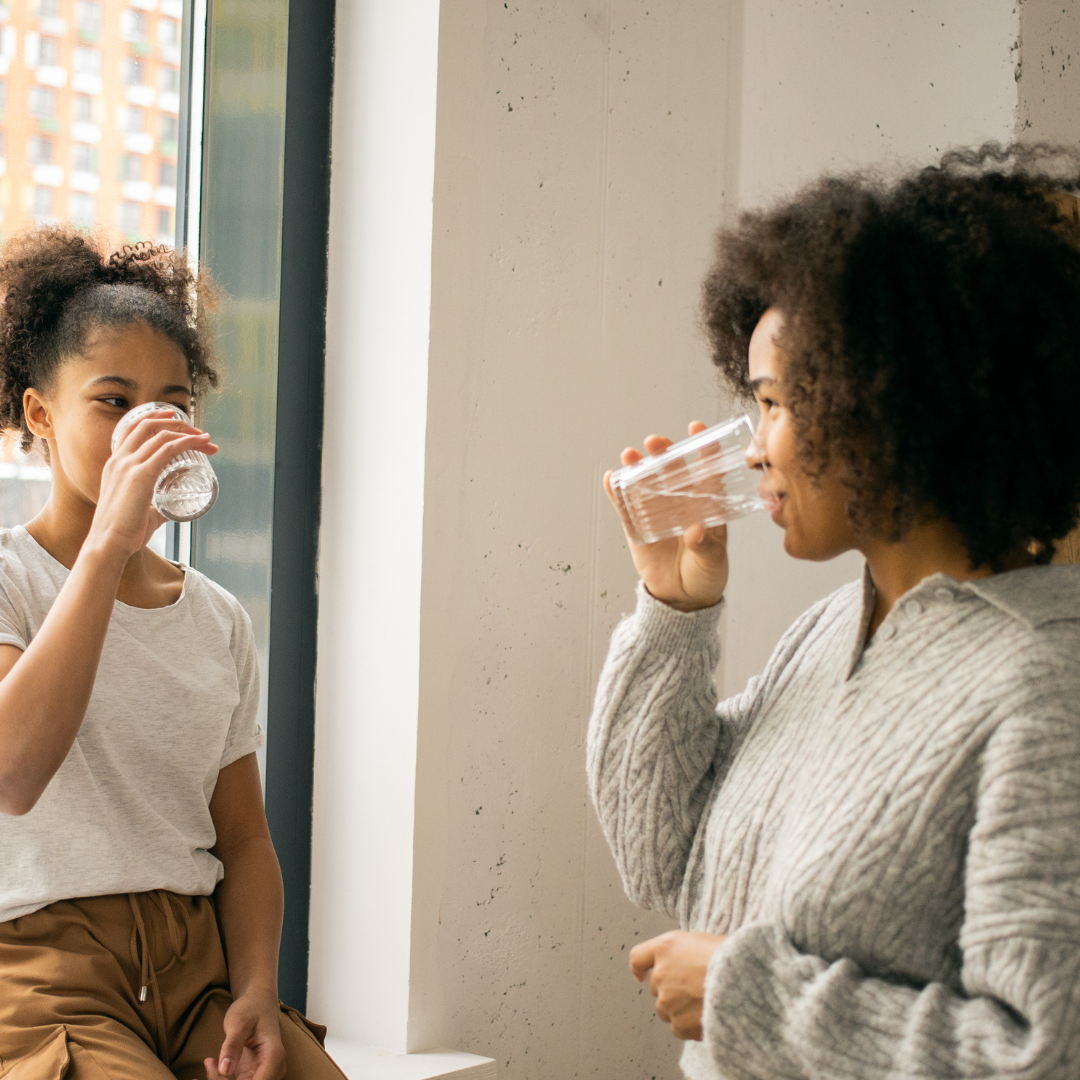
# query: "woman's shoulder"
{"points": [[1040, 608]]}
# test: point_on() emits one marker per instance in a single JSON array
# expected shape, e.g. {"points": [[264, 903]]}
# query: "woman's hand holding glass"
{"points": [[687, 572], [125, 515]]}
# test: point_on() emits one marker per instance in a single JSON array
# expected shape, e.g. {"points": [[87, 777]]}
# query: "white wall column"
{"points": [[372, 517]]}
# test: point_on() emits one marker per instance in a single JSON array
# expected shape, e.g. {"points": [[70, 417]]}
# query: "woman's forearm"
{"points": [[43, 698], [250, 903]]}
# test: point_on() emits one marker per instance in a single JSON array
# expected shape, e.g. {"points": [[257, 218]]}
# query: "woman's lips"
{"points": [[773, 501]]}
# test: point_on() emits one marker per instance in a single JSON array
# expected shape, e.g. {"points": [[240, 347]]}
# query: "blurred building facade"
{"points": [[89, 115]]}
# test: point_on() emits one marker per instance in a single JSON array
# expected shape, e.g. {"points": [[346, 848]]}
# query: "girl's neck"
{"points": [[62, 525], [933, 547]]}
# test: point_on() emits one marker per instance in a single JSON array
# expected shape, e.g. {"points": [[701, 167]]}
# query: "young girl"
{"points": [[140, 896]]}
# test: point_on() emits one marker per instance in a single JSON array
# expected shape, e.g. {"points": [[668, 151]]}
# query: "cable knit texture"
{"points": [[888, 834]]}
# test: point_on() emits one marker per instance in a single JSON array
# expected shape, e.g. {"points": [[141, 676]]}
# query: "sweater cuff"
{"points": [[754, 981], [669, 630]]}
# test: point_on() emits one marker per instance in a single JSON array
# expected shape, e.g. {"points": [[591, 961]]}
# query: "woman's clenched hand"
{"points": [[687, 572], [675, 964]]}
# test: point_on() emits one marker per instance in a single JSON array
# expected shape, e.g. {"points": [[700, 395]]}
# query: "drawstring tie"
{"points": [[140, 953]]}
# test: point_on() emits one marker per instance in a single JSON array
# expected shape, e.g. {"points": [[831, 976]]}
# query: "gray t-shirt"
{"points": [[174, 702]]}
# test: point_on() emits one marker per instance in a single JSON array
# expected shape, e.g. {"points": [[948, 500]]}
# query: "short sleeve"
{"points": [[245, 735], [13, 628]]}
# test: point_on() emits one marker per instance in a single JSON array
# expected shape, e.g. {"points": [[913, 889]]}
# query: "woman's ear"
{"points": [[37, 413]]}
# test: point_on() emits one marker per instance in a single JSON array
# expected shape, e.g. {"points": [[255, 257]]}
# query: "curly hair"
{"points": [[58, 285], [931, 340]]}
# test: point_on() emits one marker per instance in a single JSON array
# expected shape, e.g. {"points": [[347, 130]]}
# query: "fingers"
{"points": [[656, 444], [701, 540], [152, 423], [643, 958], [236, 1034], [695, 428], [211, 1069], [172, 448], [150, 447]]}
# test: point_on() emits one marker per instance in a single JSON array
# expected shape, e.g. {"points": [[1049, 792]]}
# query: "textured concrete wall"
{"points": [[579, 176], [1048, 72], [582, 155]]}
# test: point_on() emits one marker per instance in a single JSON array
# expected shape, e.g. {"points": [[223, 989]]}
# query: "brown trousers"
{"points": [[72, 976]]}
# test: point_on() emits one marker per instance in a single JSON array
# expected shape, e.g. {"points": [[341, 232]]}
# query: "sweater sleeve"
{"points": [[654, 738], [774, 1012]]}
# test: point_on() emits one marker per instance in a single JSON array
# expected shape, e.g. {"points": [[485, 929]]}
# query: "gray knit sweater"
{"points": [[889, 834]]}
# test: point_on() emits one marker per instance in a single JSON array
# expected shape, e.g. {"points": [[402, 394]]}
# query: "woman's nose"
{"points": [[755, 452]]}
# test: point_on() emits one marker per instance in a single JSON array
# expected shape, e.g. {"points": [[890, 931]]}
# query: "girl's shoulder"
{"points": [[214, 600], [23, 562]]}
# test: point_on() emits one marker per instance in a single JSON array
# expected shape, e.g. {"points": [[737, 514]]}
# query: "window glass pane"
{"points": [[243, 153], [89, 106]]}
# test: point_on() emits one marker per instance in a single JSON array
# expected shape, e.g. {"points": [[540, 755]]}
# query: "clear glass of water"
{"points": [[187, 486], [704, 480]]}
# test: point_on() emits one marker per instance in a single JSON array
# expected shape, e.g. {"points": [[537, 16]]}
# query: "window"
{"points": [[164, 221], [167, 128], [3, 144], [132, 119], [168, 33], [87, 61], [84, 158], [42, 102], [82, 109], [42, 201], [48, 9], [167, 174], [40, 150], [49, 52], [131, 167], [168, 80], [88, 18], [3, 96], [83, 209], [129, 216], [132, 71], [133, 26]]}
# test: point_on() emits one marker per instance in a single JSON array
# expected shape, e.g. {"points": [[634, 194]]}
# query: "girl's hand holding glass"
{"points": [[125, 513]]}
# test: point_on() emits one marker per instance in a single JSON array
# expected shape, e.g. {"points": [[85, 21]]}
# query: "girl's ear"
{"points": [[37, 413]]}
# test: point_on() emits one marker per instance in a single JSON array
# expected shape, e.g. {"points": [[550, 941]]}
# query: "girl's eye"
{"points": [[119, 402]]}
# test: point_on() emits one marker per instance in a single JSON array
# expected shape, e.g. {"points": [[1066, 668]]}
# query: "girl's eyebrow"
{"points": [[129, 384], [757, 384]]}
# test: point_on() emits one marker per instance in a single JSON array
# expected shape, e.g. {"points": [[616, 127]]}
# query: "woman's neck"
{"points": [[933, 547]]}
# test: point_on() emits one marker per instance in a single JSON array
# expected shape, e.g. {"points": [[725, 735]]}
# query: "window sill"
{"points": [[358, 1061]]}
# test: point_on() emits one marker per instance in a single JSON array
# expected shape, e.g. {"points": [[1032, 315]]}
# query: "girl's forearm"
{"points": [[43, 698], [250, 903]]}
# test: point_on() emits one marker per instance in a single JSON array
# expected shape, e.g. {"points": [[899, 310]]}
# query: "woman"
{"points": [[132, 819], [874, 848]]}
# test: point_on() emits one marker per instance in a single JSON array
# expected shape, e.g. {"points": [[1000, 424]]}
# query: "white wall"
{"points": [[584, 151]]}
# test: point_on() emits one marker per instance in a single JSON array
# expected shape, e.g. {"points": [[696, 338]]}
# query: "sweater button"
{"points": [[912, 609], [944, 594], [886, 631]]}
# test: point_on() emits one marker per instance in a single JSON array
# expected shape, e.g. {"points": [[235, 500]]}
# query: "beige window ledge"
{"points": [[360, 1062]]}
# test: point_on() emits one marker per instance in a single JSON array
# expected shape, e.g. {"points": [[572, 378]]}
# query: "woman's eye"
{"points": [[118, 402]]}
